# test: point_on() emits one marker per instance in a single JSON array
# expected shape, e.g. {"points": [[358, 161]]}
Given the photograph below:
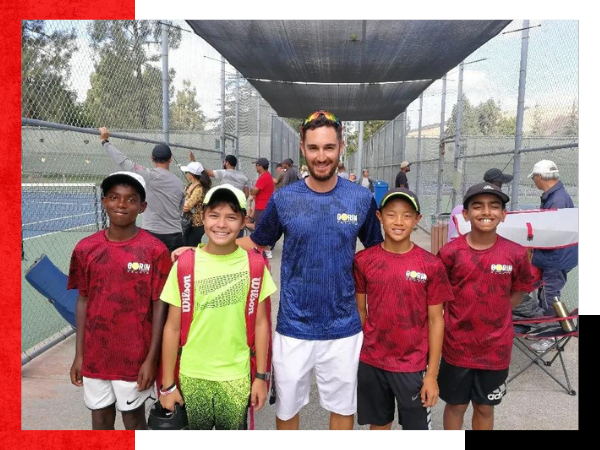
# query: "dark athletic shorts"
{"points": [[378, 391], [459, 385]]}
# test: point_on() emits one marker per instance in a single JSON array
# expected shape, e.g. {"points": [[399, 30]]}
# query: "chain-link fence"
{"points": [[491, 128], [81, 75], [78, 76]]}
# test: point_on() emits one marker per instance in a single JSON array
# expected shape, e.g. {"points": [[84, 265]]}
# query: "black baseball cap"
{"points": [[162, 152], [485, 188], [264, 162], [401, 193], [288, 161], [496, 176]]}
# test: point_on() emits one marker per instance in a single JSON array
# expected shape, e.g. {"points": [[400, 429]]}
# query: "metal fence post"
{"points": [[457, 125], [419, 167], [442, 152], [165, 82], [222, 107]]}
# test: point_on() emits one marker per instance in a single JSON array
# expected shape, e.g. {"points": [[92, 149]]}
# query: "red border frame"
{"points": [[11, 434]]}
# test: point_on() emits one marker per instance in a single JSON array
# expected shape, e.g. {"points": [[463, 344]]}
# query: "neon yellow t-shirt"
{"points": [[216, 348]]}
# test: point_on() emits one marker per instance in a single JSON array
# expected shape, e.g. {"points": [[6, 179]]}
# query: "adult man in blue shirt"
{"points": [[318, 325]]}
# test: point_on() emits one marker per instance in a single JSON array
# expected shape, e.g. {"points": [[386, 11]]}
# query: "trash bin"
{"points": [[439, 231], [381, 187]]}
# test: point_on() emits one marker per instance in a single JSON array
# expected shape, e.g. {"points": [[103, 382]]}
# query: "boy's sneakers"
{"points": [[269, 254], [542, 345]]}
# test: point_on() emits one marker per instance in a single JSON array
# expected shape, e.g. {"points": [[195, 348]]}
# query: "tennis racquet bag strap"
{"points": [[257, 263], [185, 279]]}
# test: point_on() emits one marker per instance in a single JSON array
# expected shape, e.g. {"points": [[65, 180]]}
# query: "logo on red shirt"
{"points": [[413, 275], [136, 267], [502, 269]]}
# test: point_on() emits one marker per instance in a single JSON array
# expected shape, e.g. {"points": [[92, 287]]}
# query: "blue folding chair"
{"points": [[49, 281]]}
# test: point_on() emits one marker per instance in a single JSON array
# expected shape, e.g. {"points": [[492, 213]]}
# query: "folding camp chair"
{"points": [[545, 328], [49, 281]]}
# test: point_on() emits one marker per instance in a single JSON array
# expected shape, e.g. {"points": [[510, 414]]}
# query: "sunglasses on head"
{"points": [[328, 115]]}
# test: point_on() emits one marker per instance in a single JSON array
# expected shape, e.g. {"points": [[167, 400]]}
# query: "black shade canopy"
{"points": [[281, 58]]}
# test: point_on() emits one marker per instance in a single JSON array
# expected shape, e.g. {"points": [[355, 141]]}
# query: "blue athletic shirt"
{"points": [[317, 287]]}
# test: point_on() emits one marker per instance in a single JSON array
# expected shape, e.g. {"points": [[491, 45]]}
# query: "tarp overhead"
{"points": [[344, 51], [349, 102]]}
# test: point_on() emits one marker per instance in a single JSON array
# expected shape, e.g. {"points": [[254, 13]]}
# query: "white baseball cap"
{"points": [[194, 167], [543, 167], [239, 195], [137, 180], [404, 164]]}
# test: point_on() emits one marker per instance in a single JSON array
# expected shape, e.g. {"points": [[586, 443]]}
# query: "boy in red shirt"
{"points": [[489, 275], [120, 273], [404, 288]]}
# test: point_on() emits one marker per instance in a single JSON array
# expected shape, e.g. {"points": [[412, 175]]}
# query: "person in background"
{"points": [[278, 179], [365, 181], [557, 263], [120, 273], [262, 191], [199, 184], [229, 174], [497, 177], [400, 292], [489, 276], [342, 171], [401, 179], [164, 191], [304, 171], [352, 177], [291, 173]]}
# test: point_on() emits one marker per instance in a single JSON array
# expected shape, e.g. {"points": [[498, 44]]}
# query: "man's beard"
{"points": [[325, 177]]}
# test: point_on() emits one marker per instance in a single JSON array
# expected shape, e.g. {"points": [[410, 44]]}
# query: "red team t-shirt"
{"points": [[399, 289], [266, 186], [479, 328], [120, 280]]}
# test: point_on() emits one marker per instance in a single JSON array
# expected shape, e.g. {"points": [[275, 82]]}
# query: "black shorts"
{"points": [[460, 385], [378, 391]]}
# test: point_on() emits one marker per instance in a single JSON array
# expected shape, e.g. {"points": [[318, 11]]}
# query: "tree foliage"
{"points": [[536, 128], [572, 125], [45, 71], [247, 107], [294, 123], [126, 87], [370, 127], [186, 113], [485, 119]]}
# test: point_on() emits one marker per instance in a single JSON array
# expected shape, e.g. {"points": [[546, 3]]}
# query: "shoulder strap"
{"points": [[185, 278], [257, 264]]}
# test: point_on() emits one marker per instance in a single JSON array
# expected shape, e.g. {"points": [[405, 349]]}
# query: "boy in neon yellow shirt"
{"points": [[215, 361]]}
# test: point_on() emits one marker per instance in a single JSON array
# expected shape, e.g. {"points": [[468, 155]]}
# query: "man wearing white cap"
{"points": [[401, 179], [555, 264]]}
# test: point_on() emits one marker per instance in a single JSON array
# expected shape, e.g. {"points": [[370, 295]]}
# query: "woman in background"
{"points": [[199, 184]]}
